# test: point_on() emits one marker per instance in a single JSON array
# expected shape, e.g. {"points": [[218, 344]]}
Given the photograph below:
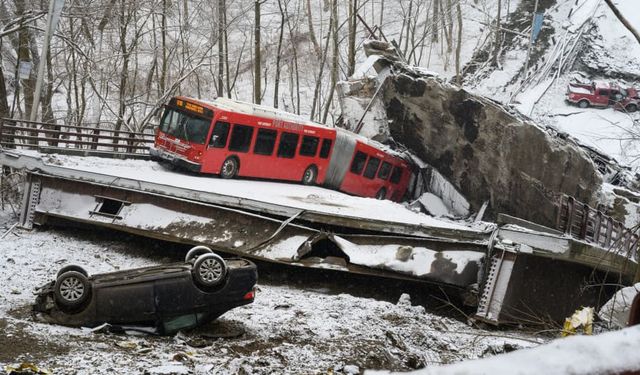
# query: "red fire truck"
{"points": [[237, 139]]}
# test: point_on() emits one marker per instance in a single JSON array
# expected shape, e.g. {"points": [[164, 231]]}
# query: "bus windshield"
{"points": [[185, 126]]}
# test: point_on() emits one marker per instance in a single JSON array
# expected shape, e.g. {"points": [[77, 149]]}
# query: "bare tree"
{"points": [[276, 84], [353, 22], [458, 44], [222, 10], [335, 60], [623, 20], [496, 47], [257, 80], [312, 33]]}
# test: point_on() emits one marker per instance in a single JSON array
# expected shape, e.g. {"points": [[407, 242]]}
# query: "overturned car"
{"points": [[167, 298]]}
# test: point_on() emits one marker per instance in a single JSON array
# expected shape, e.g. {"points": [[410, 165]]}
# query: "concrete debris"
{"points": [[616, 311], [487, 151]]}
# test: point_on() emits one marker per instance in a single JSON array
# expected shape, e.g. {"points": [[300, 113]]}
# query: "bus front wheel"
{"points": [[310, 175], [229, 168]]}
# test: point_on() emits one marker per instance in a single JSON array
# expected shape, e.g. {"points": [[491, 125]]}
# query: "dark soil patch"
{"points": [[17, 344]]}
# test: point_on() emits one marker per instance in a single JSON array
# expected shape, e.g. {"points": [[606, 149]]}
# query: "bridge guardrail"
{"points": [[73, 139]]}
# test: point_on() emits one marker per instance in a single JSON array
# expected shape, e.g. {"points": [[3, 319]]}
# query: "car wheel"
{"points": [[631, 108], [229, 168], [72, 289], [381, 194], [209, 270], [583, 104], [72, 267], [310, 175], [195, 252]]}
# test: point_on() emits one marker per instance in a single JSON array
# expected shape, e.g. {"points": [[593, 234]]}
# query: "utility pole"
{"points": [[533, 20], [55, 8]]}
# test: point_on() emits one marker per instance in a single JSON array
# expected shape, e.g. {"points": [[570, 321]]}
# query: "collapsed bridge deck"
{"points": [[304, 226]]}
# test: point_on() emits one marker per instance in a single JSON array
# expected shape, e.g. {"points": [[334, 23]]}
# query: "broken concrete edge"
{"points": [[37, 166]]}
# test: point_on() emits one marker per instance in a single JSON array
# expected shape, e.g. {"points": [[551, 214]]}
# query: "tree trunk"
{"points": [[28, 85], [226, 48], [436, 28], [316, 90], [257, 56], [351, 59], [163, 71], [221, 50], [276, 83], [496, 48], [312, 33], [335, 67], [458, 44], [623, 20], [294, 52], [4, 105]]}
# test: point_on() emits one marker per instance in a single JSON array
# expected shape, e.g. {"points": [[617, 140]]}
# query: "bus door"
{"points": [[216, 148]]}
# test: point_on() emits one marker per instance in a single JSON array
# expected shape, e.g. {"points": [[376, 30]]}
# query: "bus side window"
{"points": [[358, 162], [384, 170], [372, 168], [326, 147], [309, 145], [240, 138], [265, 142], [396, 175], [288, 144], [219, 135]]}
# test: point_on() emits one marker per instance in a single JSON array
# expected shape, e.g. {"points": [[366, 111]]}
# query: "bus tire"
{"points": [[310, 175], [583, 103], [381, 194], [631, 107], [230, 167]]}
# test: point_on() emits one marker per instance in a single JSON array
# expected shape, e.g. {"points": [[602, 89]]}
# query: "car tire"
{"points": [[229, 168], [195, 252], [209, 270], [72, 267], [381, 194], [631, 107], [71, 290], [310, 175], [583, 104]]}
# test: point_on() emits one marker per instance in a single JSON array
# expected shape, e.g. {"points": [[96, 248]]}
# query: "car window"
{"points": [[396, 175], [240, 138], [288, 144], [309, 145], [358, 162], [372, 168], [219, 135], [326, 147], [265, 142], [383, 174]]}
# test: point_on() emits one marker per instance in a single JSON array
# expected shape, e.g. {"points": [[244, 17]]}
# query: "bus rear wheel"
{"points": [[229, 168], [310, 175], [382, 194]]}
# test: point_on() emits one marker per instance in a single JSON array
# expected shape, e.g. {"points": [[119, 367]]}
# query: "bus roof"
{"points": [[233, 105], [258, 110]]}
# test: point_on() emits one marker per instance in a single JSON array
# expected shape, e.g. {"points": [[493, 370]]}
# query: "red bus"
{"points": [[236, 139]]}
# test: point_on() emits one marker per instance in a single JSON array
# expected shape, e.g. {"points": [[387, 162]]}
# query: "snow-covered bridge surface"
{"points": [[282, 199]]}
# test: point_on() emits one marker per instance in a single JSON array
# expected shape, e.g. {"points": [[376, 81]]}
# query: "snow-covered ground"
{"points": [[607, 353], [294, 327], [612, 50]]}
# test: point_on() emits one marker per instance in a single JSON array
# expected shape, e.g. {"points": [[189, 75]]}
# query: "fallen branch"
{"points": [[624, 21]]}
